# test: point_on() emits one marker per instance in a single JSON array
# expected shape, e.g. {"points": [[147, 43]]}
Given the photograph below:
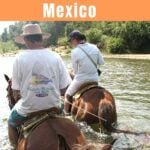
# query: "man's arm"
{"points": [[71, 73], [74, 62], [100, 58], [64, 76]]}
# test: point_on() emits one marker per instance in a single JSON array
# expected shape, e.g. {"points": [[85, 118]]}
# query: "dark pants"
{"points": [[14, 121]]}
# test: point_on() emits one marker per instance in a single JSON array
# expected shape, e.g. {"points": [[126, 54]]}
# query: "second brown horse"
{"points": [[95, 105]]}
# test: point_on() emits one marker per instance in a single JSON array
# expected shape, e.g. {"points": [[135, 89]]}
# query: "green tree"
{"points": [[94, 35], [115, 45], [68, 28], [4, 36], [118, 37], [137, 35]]}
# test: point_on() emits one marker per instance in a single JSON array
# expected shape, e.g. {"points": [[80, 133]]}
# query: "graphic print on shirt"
{"points": [[39, 83]]}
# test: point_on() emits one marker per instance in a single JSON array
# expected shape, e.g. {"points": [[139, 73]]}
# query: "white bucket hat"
{"points": [[30, 29]]}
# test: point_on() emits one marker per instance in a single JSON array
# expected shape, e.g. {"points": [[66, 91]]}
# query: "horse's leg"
{"points": [[43, 137], [13, 135]]}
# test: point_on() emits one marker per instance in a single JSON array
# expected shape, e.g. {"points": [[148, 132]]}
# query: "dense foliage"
{"points": [[111, 37]]}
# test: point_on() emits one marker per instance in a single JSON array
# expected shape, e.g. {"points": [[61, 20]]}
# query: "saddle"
{"points": [[85, 87], [35, 119]]}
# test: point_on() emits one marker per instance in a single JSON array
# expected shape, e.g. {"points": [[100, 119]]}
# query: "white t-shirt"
{"points": [[83, 67], [39, 75]]}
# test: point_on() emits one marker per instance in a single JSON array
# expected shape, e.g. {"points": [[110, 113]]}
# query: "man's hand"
{"points": [[67, 104], [63, 91], [71, 73]]}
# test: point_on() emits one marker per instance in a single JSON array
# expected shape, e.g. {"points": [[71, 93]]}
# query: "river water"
{"points": [[127, 80]]}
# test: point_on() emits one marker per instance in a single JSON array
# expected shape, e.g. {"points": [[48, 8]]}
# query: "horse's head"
{"points": [[9, 92]]}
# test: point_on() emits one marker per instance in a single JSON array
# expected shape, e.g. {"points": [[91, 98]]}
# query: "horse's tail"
{"points": [[108, 116], [107, 111]]}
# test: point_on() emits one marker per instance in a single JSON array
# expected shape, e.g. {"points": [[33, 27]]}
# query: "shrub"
{"points": [[94, 36], [7, 47], [103, 43], [62, 41], [115, 45]]}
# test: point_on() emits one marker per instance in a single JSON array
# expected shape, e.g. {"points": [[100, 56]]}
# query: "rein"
{"points": [[116, 130], [85, 111]]}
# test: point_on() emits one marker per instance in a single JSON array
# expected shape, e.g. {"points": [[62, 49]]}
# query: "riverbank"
{"points": [[128, 56], [67, 53], [10, 54]]}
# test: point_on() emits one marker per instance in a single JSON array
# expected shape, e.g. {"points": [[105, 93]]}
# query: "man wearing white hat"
{"points": [[39, 75]]}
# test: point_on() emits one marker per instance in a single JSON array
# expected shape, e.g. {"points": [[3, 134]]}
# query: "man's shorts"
{"points": [[15, 119]]}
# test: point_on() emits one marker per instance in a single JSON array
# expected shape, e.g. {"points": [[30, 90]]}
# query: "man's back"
{"points": [[39, 75], [83, 66]]}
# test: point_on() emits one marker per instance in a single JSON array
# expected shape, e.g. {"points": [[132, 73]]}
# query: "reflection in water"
{"points": [[128, 81]]}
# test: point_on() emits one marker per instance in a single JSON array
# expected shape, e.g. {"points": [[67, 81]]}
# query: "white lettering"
{"points": [[48, 10], [75, 10], [92, 11], [68, 11], [60, 11], [82, 11]]}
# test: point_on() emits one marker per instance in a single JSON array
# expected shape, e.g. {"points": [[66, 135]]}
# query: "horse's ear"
{"points": [[6, 77]]}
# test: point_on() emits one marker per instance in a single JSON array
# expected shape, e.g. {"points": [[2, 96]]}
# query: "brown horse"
{"points": [[55, 133], [94, 105]]}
